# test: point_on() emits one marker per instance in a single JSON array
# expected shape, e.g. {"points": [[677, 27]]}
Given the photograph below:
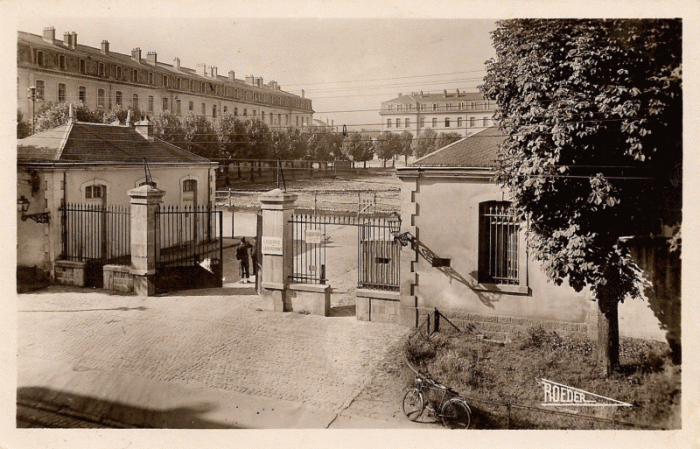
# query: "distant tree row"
{"points": [[228, 137]]}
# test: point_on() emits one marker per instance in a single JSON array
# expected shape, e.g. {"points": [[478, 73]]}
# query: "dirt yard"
{"points": [[376, 190]]}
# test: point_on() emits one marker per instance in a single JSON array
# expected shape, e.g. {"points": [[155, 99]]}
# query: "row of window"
{"points": [[118, 97], [166, 81], [437, 107], [448, 122]]}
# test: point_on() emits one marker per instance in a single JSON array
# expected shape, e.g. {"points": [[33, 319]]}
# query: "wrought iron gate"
{"points": [[189, 248], [97, 235], [308, 249], [378, 255]]}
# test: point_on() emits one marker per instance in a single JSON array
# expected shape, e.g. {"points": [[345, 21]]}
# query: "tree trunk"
{"points": [[608, 333], [239, 170], [252, 172]]}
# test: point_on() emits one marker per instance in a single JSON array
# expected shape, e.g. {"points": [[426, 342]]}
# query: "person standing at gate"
{"points": [[244, 259]]}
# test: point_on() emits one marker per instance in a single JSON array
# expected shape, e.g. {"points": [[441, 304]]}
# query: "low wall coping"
{"points": [[318, 288], [118, 268], [273, 285], [137, 272], [378, 294], [69, 264]]}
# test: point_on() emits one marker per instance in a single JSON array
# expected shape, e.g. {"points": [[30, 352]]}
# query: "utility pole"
{"points": [[32, 96]]}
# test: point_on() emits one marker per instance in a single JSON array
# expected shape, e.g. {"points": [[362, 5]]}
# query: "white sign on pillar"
{"points": [[272, 245]]}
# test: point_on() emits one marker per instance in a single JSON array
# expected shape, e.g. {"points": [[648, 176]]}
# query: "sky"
{"points": [[347, 67]]}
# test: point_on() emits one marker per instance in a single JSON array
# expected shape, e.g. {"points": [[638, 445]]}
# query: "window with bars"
{"points": [[498, 244], [82, 94], [61, 93], [95, 191], [189, 185]]}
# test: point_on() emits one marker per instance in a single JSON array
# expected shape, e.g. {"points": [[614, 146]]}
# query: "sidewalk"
{"points": [[196, 362]]}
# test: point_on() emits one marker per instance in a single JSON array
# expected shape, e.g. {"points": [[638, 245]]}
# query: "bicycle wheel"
{"points": [[455, 414], [413, 404]]}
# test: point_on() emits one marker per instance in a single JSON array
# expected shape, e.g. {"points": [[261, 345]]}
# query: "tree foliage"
{"points": [[199, 136], [24, 129], [52, 115], [425, 143], [592, 114], [358, 147]]}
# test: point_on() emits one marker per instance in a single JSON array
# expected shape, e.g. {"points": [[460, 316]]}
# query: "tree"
{"points": [[199, 136], [24, 129], [425, 143], [258, 142], [167, 127], [387, 145], [358, 147], [120, 113], [592, 114], [444, 139], [232, 136], [52, 115], [405, 147]]}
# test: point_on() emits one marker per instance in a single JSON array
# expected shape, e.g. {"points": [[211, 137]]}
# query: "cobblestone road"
{"points": [[215, 341]]}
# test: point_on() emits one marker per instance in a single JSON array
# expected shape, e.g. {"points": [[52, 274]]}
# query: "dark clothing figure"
{"points": [[242, 256]]}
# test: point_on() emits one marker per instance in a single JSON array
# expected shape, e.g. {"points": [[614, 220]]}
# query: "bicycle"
{"points": [[452, 409]]}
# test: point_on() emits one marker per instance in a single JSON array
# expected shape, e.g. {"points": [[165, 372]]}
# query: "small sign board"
{"points": [[272, 245], [313, 236]]}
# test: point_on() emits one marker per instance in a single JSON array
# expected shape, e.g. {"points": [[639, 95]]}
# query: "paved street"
{"points": [[133, 349]]}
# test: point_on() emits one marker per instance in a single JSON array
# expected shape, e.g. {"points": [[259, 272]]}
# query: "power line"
{"points": [[384, 79]]}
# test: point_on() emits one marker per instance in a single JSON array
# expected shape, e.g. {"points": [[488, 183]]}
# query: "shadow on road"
{"points": [[342, 311], [85, 409]]}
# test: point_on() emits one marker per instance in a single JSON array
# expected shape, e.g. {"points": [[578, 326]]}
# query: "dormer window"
{"points": [[62, 62], [119, 73], [83, 66], [100, 69], [40, 58]]}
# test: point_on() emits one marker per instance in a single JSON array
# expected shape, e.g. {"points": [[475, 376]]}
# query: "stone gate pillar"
{"points": [[276, 248], [144, 203]]}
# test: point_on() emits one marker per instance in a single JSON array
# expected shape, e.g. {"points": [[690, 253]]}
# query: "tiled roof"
{"points": [[477, 150], [97, 143], [127, 61]]}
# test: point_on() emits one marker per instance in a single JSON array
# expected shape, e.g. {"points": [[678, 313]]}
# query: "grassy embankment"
{"points": [[492, 374]]}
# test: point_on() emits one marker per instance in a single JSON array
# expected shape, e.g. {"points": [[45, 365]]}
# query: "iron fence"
{"points": [[308, 249], [378, 255], [96, 233], [188, 236]]}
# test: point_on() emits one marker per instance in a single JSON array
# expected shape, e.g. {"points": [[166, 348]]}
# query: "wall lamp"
{"points": [[395, 226], [23, 207]]}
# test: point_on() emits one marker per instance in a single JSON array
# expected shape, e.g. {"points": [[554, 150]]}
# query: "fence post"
{"points": [[436, 326], [276, 248], [145, 201], [508, 421]]}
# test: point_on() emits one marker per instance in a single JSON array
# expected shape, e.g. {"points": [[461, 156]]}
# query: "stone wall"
{"points": [[118, 278], [501, 327], [378, 306], [67, 272]]}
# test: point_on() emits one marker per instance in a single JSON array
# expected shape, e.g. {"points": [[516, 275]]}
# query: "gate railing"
{"points": [[96, 233], [378, 255], [308, 249], [188, 236]]}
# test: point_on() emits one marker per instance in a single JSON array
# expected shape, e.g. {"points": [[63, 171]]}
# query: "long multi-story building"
{"points": [[453, 111], [64, 71]]}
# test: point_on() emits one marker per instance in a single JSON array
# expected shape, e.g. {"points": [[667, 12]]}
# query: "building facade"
{"points": [[469, 258], [96, 165], [64, 71], [449, 111]]}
